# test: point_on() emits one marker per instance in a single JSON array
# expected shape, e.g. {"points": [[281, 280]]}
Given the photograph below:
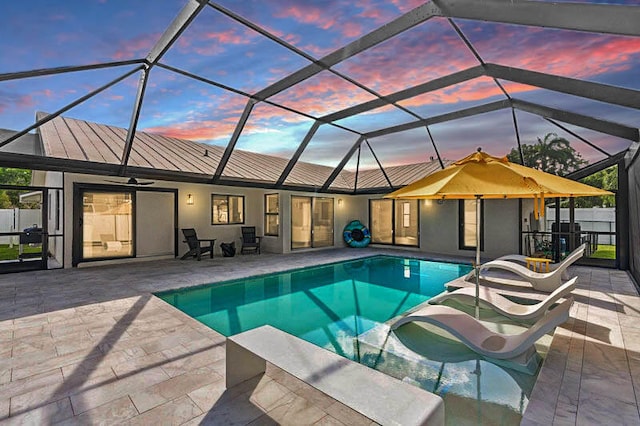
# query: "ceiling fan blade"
{"points": [[130, 181]]}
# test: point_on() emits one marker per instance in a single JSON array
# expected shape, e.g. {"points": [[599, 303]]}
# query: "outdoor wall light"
{"points": [[339, 202], [189, 199]]}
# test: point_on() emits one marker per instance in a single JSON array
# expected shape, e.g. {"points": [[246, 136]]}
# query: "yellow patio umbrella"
{"points": [[481, 176]]}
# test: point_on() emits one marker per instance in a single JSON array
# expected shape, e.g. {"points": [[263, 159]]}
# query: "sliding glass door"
{"points": [[311, 222], [394, 222], [300, 222], [322, 223], [106, 224], [381, 214]]}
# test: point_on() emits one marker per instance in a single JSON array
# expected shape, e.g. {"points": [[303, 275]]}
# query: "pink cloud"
{"points": [[427, 52], [407, 5], [352, 29], [25, 101], [212, 43], [321, 94], [375, 14], [209, 50], [572, 54], [195, 131], [12, 101], [228, 37], [265, 115], [335, 17], [198, 125], [136, 47], [307, 14], [473, 90], [315, 50], [230, 105]]}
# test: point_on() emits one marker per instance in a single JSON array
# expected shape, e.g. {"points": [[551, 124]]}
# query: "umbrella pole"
{"points": [[478, 227]]}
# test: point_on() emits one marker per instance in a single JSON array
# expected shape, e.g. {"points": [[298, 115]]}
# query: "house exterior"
{"points": [[105, 219]]}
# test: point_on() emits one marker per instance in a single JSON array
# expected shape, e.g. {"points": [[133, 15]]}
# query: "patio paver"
{"points": [[91, 344]]}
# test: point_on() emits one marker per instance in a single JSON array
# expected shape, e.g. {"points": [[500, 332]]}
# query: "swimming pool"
{"points": [[343, 307]]}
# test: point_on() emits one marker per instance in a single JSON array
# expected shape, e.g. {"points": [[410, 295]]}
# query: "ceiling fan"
{"points": [[131, 181]]}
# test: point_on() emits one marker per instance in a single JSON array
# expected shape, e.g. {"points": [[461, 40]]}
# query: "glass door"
{"points": [[322, 230], [395, 222], [106, 224], [300, 222], [24, 228], [381, 212], [311, 222]]}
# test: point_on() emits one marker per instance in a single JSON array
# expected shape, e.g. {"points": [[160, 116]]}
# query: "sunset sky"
{"points": [[44, 34]]}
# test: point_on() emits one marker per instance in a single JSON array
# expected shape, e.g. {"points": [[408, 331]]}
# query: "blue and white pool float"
{"points": [[356, 234]]}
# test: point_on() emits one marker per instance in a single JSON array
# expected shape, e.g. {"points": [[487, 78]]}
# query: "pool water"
{"points": [[343, 306], [327, 305]]}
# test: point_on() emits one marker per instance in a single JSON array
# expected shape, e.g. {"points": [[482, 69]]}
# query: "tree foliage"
{"points": [[11, 176], [10, 198], [552, 154], [605, 179]]}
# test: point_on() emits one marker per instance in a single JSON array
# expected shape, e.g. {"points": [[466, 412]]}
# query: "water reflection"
{"points": [[473, 388], [343, 307]]}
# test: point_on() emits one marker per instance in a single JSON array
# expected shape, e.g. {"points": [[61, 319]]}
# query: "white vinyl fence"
{"points": [[598, 219], [16, 220]]}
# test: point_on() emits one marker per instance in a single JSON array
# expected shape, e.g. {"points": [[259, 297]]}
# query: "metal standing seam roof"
{"points": [[74, 139]]}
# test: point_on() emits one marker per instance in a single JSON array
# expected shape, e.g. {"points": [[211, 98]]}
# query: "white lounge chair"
{"points": [[486, 342], [522, 259], [489, 298], [542, 281]]}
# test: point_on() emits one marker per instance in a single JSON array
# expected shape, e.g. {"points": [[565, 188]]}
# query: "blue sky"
{"points": [[45, 34]]}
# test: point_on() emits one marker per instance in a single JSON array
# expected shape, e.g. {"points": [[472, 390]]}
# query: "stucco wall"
{"points": [[438, 222], [198, 215], [439, 225]]}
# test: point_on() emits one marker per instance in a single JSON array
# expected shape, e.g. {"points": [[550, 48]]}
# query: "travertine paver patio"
{"points": [[93, 345]]}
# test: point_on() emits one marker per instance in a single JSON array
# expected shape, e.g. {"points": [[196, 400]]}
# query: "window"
{"points": [[227, 209], [271, 214], [468, 224], [394, 222], [406, 214]]}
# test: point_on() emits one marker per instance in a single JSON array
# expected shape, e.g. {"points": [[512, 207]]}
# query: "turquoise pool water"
{"points": [[327, 305], [342, 307]]}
